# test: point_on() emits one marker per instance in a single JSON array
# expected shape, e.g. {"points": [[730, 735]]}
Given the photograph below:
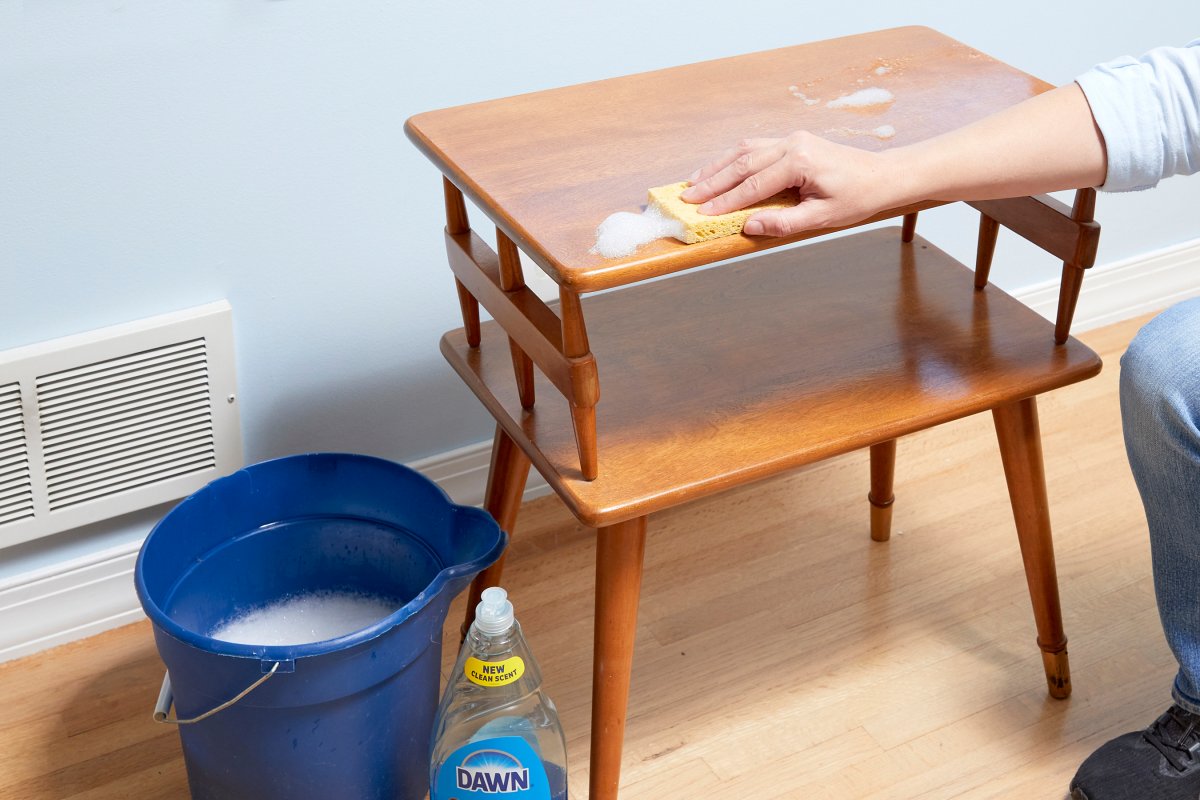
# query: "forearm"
{"points": [[1046, 143]]}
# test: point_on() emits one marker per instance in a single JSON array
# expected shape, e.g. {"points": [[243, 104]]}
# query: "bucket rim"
{"points": [[292, 652]]}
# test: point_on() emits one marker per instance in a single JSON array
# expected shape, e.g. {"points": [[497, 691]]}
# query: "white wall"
{"points": [[157, 154]]}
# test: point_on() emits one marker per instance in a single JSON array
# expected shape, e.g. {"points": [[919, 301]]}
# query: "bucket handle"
{"points": [[166, 697]]}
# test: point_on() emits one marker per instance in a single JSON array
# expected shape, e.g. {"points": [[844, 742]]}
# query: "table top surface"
{"points": [[548, 167], [724, 376]]}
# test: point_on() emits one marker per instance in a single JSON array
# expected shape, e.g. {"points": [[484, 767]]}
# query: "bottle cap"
{"points": [[494, 614]]}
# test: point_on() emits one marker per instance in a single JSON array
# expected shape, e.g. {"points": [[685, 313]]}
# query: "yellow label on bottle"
{"points": [[494, 673]]}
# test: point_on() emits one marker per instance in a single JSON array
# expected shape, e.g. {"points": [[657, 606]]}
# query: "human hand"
{"points": [[838, 185]]}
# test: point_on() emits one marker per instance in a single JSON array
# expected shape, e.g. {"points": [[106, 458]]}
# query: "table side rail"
{"points": [[1047, 223], [1070, 234], [531, 323]]}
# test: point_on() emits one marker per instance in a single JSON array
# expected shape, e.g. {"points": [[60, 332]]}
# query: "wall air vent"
{"points": [[107, 422], [16, 488]]}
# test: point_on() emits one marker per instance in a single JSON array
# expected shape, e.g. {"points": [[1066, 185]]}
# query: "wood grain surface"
{"points": [[728, 375], [548, 167]]}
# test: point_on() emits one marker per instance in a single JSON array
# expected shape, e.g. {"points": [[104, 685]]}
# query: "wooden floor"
{"points": [[780, 652]]}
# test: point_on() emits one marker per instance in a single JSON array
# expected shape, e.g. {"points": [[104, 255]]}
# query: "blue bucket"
{"points": [[345, 718]]}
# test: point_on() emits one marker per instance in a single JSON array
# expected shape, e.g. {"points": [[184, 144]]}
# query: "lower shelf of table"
{"points": [[715, 378]]}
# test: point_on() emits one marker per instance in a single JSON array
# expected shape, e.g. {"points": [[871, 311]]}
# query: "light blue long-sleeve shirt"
{"points": [[1148, 110]]}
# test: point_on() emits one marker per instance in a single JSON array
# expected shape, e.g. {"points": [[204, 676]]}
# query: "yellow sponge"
{"points": [[698, 227]]}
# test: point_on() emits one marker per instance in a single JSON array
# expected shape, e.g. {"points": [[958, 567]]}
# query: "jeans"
{"points": [[1160, 412]]}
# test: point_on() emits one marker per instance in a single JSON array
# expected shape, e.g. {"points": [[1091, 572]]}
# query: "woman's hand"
{"points": [[838, 185], [1043, 144]]}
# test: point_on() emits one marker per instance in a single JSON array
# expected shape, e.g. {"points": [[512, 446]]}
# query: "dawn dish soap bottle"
{"points": [[496, 734]]}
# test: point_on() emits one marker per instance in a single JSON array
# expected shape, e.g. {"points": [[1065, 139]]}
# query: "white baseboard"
{"points": [[68, 601], [88, 595], [1125, 289], [462, 474]]}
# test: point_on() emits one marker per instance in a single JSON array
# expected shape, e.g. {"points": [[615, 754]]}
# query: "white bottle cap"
{"points": [[494, 614]]}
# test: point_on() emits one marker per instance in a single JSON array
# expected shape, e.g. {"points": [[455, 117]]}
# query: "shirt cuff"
{"points": [[1129, 117]]}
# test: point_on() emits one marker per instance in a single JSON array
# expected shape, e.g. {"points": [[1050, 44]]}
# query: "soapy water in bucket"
{"points": [[305, 618]]}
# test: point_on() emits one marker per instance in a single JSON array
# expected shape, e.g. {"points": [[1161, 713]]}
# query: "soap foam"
{"points": [[808, 101], [873, 96], [305, 618], [622, 233], [882, 132]]}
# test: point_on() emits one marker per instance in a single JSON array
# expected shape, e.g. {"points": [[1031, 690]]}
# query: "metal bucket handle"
{"points": [[162, 709]]}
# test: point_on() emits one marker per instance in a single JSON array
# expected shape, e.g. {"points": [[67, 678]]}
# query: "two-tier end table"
{"points": [[656, 394]]}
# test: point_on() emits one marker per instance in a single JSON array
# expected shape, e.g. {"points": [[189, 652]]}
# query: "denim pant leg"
{"points": [[1160, 411]]}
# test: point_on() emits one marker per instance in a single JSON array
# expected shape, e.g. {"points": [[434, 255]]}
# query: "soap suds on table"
{"points": [[882, 132], [622, 233], [808, 101], [863, 98]]}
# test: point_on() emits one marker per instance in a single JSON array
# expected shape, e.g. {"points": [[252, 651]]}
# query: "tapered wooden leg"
{"points": [[909, 229], [505, 487], [619, 551], [523, 369], [470, 313], [457, 222], [985, 249], [584, 420], [585, 387], [1082, 210], [883, 470], [512, 278], [1021, 452], [1068, 296]]}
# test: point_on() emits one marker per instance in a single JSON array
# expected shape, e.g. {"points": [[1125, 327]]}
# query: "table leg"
{"points": [[586, 389], [505, 487], [523, 369], [470, 313], [511, 279], [457, 222], [619, 551], [985, 249], [1083, 210], [583, 419], [883, 470], [1021, 451], [1068, 296]]}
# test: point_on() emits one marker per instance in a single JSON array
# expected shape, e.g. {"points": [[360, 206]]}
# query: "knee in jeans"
{"points": [[1145, 367], [1160, 372]]}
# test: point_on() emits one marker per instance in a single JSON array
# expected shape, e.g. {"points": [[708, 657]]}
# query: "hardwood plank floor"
{"points": [[781, 653]]}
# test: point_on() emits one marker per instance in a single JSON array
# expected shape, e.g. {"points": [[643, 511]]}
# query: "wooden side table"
{"points": [[727, 375]]}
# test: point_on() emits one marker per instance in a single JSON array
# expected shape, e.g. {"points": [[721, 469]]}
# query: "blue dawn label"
{"points": [[505, 767]]}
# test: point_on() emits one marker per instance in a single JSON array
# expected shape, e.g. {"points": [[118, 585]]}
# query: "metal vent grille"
{"points": [[126, 422], [16, 488], [110, 421]]}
